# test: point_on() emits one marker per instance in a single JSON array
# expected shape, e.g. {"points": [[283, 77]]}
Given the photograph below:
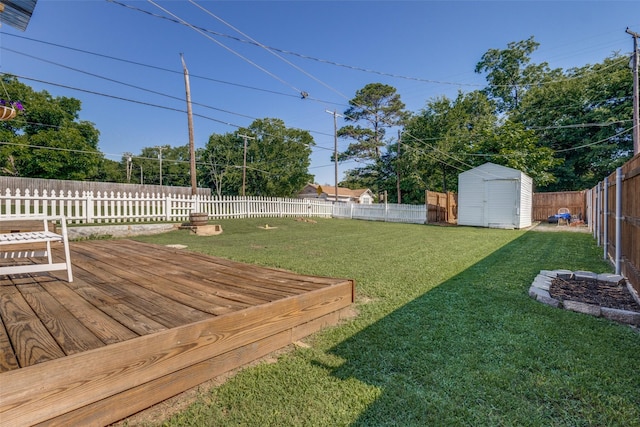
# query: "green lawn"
{"points": [[446, 332]]}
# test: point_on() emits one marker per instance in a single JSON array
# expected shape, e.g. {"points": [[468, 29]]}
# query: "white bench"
{"points": [[34, 243]]}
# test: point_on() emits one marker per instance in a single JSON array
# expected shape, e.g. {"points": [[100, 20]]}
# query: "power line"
{"points": [[155, 67], [287, 52], [244, 58], [304, 94]]}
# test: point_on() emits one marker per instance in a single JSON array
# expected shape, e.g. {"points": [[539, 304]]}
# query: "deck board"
{"points": [[141, 323], [70, 334]]}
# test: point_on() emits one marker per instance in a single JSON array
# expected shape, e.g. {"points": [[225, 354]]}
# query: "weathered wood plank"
{"points": [[278, 282], [184, 293], [31, 341], [8, 359], [125, 315], [70, 334], [101, 325], [246, 291], [136, 399], [78, 380], [152, 304]]}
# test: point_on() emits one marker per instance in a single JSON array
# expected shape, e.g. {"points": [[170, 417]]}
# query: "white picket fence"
{"points": [[109, 207], [389, 212], [90, 208]]}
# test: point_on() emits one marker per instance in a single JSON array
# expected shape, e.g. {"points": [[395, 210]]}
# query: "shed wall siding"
{"points": [[471, 199], [526, 201], [501, 202], [495, 196]]}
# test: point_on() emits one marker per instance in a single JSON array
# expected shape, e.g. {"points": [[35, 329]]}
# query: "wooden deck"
{"points": [[141, 323]]}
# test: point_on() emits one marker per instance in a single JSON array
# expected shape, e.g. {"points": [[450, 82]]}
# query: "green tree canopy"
{"points": [[380, 108], [146, 167], [437, 142], [277, 160], [585, 117], [222, 161], [46, 140], [509, 72]]}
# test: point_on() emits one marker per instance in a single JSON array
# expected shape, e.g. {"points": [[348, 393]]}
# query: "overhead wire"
{"points": [[120, 82], [272, 49], [244, 58], [168, 70], [292, 53], [232, 113]]}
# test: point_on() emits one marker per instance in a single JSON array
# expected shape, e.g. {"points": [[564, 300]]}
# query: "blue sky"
{"points": [[425, 49]]}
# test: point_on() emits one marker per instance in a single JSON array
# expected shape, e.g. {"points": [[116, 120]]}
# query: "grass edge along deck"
{"points": [[106, 384]]}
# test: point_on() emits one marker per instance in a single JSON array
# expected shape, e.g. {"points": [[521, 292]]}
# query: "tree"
{"points": [[437, 142], [585, 116], [222, 160], [174, 161], [511, 145], [111, 171], [380, 107], [46, 140], [277, 162], [509, 72]]}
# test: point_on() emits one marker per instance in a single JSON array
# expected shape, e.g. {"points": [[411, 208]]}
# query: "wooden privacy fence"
{"points": [[441, 207], [547, 204], [90, 208], [20, 183], [614, 205]]}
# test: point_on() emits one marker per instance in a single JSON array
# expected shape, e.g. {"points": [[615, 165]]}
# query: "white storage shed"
{"points": [[495, 196]]}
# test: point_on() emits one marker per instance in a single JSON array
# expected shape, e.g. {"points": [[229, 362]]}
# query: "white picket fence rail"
{"points": [[109, 207], [90, 208], [416, 214]]}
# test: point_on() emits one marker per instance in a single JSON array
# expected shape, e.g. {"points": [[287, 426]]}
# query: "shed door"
{"points": [[502, 202]]}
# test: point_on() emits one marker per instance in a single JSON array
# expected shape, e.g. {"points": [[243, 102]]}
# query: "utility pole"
{"points": [[192, 150], [244, 162], [129, 166], [160, 160], [335, 148], [636, 103], [398, 168]]}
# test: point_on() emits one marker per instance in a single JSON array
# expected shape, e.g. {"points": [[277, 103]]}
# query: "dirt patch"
{"points": [[597, 292], [572, 228]]}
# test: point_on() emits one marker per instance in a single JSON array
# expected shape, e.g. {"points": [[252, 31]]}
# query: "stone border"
{"points": [[113, 230], [539, 291]]}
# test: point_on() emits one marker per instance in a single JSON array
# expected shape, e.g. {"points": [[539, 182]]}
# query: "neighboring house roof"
{"points": [[331, 191], [345, 192]]}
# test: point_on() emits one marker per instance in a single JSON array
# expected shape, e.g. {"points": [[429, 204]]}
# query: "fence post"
{"points": [[598, 213], [196, 203], [605, 218], [167, 206], [426, 205], [618, 218], [88, 207]]}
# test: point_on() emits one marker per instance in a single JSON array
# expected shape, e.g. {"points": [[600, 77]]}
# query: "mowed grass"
{"points": [[446, 333]]}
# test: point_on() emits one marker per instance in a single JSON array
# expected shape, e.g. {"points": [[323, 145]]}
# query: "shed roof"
{"points": [[493, 169]]}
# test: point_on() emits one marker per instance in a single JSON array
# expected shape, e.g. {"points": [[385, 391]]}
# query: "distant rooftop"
{"points": [[17, 13]]}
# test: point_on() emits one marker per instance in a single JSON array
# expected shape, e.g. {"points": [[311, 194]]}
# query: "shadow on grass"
{"points": [[477, 350]]}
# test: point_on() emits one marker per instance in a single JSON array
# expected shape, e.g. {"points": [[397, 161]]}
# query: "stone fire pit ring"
{"points": [[539, 291]]}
